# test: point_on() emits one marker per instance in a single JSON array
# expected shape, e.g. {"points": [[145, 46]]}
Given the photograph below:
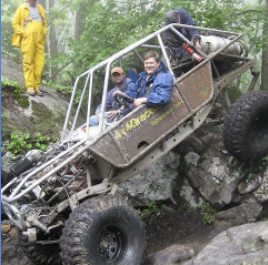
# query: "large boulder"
{"points": [[209, 168], [154, 183], [20, 112], [261, 194], [185, 250], [246, 244]]}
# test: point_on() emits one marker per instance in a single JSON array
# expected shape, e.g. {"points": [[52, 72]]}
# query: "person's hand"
{"points": [[139, 101], [112, 114], [116, 92]]}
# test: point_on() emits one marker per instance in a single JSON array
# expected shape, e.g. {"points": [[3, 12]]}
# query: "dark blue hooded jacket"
{"points": [[110, 102], [161, 89], [186, 19], [173, 41]]}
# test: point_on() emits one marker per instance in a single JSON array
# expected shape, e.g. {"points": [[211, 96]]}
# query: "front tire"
{"points": [[103, 230], [245, 131]]}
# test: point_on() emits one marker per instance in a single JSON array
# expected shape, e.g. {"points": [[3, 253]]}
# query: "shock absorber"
{"points": [[195, 55]]}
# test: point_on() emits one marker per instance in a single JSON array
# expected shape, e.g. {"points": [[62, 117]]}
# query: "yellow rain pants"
{"points": [[33, 51]]}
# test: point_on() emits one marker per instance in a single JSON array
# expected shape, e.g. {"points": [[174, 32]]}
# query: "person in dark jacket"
{"points": [[112, 108], [180, 16], [154, 86]]}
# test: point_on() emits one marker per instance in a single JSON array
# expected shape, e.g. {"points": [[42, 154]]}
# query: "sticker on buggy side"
{"points": [[135, 122], [160, 118]]}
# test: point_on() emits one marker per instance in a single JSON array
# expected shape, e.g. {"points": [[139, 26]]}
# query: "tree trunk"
{"points": [[46, 68], [264, 66], [78, 25], [53, 44]]}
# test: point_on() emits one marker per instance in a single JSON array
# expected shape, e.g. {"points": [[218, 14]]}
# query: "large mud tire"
{"points": [[40, 254], [103, 230], [245, 131]]}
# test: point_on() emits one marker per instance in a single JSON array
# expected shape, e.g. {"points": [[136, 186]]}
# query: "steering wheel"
{"points": [[123, 99]]}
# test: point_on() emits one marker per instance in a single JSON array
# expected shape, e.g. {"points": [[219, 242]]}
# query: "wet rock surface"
{"points": [[261, 194], [11, 254], [154, 183], [21, 112], [192, 234], [246, 244]]}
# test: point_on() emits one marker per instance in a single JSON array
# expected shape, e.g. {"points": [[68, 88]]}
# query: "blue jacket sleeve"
{"points": [[161, 91], [187, 19]]}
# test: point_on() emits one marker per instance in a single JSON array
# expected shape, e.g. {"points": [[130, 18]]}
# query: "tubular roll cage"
{"points": [[118, 57], [84, 144]]}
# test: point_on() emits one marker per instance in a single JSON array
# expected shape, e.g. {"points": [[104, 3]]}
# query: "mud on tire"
{"points": [[103, 230], [245, 131]]}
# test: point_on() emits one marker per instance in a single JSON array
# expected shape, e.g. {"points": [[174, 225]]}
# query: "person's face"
{"points": [[118, 78], [32, 2], [151, 65]]}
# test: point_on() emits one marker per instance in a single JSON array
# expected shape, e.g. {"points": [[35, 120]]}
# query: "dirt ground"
{"points": [[163, 229], [169, 227]]}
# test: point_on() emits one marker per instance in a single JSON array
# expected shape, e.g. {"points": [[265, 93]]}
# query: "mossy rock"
{"points": [[45, 120], [23, 101]]}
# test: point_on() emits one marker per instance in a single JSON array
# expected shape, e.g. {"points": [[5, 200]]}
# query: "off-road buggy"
{"points": [[63, 200]]}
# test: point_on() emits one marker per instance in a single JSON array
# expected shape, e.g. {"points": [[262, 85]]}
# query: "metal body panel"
{"points": [[197, 87], [147, 125]]}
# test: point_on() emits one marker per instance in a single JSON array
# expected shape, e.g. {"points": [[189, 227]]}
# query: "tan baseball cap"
{"points": [[117, 70]]}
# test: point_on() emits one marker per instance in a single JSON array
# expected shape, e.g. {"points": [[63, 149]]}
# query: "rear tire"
{"points": [[103, 230], [245, 131]]}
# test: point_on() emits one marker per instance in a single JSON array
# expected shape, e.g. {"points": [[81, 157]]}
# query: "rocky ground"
{"points": [[20, 112], [199, 204]]}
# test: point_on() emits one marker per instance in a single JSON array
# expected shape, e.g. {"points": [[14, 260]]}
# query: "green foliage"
{"points": [[257, 169], [152, 207], [20, 143], [207, 212], [16, 88], [208, 219], [182, 208], [8, 9]]}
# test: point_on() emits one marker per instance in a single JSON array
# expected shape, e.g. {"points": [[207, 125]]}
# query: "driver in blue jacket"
{"points": [[154, 86]]}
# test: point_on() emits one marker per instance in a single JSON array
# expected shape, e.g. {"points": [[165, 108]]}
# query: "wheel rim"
{"points": [[111, 244], [259, 132]]}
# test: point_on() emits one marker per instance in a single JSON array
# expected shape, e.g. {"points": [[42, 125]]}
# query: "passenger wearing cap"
{"points": [[123, 84], [180, 16]]}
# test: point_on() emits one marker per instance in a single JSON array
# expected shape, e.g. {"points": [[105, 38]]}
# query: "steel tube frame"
{"points": [[69, 109], [42, 167], [104, 95], [130, 48], [90, 72], [150, 46], [79, 105], [188, 42], [89, 101], [165, 55], [39, 181]]}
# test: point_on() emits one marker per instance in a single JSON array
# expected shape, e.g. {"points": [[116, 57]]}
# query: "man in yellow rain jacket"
{"points": [[30, 28]]}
